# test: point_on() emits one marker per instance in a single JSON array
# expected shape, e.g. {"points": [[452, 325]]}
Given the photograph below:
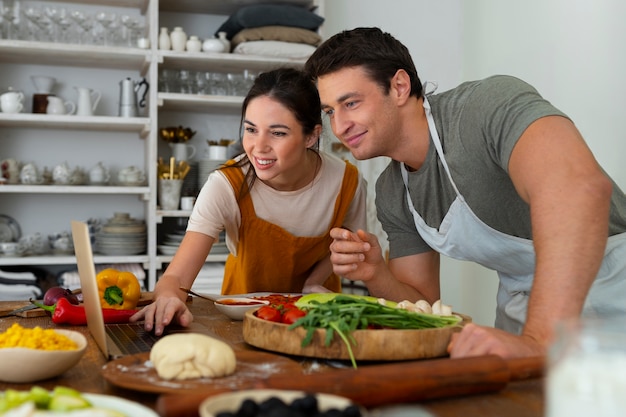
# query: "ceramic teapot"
{"points": [[99, 174], [88, 100], [131, 175], [30, 174], [61, 173]]}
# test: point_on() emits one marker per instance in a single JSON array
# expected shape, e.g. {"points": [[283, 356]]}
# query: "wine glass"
{"points": [[85, 23], [107, 21]]}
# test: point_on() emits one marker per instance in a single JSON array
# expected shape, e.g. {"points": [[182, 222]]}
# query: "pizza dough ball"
{"points": [[192, 355]]}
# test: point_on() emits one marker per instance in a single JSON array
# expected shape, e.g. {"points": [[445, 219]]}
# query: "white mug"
{"points": [[12, 102], [56, 105], [187, 202]]}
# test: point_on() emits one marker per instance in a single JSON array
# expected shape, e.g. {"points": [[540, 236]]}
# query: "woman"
{"points": [[277, 203]]}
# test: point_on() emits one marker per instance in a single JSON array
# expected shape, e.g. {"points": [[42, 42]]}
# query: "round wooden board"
{"points": [[136, 372], [375, 345]]}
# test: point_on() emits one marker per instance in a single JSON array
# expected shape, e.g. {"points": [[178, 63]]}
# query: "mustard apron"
{"points": [[462, 235], [269, 258]]}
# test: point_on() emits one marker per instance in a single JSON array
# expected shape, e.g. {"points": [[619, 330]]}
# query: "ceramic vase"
{"points": [[164, 40], [213, 45], [194, 44], [222, 38], [178, 37]]}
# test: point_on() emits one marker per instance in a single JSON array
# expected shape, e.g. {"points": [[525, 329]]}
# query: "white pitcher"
{"points": [[182, 151], [56, 105], [88, 99]]}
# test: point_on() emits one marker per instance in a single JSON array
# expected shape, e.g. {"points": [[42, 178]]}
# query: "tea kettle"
{"points": [[129, 91]]}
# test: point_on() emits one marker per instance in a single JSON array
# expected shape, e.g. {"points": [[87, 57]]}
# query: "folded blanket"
{"points": [[277, 33], [276, 49]]}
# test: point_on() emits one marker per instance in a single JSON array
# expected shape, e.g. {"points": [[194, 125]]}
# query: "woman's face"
{"points": [[276, 146]]}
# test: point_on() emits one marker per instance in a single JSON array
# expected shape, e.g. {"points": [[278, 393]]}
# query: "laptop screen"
{"points": [[88, 284]]}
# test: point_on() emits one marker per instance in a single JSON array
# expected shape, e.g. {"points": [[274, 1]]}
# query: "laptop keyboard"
{"points": [[131, 338]]}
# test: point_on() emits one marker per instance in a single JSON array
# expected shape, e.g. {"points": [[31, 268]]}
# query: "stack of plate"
{"points": [[205, 167], [171, 243], [122, 235]]}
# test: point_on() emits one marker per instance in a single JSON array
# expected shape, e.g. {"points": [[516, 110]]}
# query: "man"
{"points": [[488, 172]]}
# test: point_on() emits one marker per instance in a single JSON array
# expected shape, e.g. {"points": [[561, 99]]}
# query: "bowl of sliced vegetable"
{"points": [[236, 307], [35, 354]]}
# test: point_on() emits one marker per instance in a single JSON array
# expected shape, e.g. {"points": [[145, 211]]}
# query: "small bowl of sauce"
{"points": [[236, 307]]}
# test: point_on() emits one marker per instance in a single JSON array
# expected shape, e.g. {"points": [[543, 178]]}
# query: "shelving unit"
{"points": [[108, 136]]}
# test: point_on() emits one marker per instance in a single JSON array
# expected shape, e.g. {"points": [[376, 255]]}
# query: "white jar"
{"points": [[213, 45], [222, 37], [178, 38], [194, 44], [164, 40]]}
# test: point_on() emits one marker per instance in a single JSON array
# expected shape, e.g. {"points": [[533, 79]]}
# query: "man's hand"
{"points": [[475, 340], [355, 256]]}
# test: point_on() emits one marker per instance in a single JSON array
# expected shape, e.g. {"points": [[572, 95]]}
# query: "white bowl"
{"points": [[29, 365], [236, 307], [230, 402]]}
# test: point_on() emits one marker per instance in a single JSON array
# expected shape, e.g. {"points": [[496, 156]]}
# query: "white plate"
{"points": [[9, 229], [129, 408], [167, 250]]}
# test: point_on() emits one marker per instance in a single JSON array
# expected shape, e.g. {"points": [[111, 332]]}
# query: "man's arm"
{"points": [[554, 171]]}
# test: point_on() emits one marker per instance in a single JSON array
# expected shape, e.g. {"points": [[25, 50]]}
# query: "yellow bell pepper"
{"points": [[118, 289]]}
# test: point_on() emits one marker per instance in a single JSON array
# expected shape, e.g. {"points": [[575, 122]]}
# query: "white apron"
{"points": [[462, 235]]}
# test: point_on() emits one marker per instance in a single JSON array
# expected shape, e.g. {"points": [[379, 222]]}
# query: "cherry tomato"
{"points": [[269, 313], [290, 316]]}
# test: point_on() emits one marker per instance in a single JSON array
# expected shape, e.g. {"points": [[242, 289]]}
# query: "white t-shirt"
{"points": [[304, 212]]}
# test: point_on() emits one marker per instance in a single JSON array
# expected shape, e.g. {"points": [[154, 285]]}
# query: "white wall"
{"points": [[569, 49]]}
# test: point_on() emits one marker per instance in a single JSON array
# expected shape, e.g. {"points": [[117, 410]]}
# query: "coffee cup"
{"points": [[131, 175], [40, 103], [187, 202], [43, 84], [12, 102]]}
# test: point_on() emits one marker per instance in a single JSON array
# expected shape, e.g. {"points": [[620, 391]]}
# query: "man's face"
{"points": [[361, 116]]}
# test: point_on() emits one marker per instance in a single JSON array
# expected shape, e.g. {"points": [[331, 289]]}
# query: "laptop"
{"points": [[114, 340]]}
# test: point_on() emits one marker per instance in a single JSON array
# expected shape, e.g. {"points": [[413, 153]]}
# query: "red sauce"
{"points": [[231, 302]]}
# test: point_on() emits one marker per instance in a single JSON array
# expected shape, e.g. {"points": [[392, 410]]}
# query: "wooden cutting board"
{"points": [[8, 306], [373, 345]]}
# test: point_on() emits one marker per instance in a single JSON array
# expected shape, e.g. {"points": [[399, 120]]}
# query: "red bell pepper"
{"points": [[64, 312]]}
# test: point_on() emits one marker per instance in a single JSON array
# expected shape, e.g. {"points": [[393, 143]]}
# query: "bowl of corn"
{"points": [[35, 354]]}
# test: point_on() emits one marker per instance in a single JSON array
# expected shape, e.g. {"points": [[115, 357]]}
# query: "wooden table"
{"points": [[517, 399]]}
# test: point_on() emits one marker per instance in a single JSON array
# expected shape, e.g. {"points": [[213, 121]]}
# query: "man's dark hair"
{"points": [[377, 52]]}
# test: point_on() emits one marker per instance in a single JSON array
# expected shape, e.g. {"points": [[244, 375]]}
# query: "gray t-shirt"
{"points": [[479, 123]]}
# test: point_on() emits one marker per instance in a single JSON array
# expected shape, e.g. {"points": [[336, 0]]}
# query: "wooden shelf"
{"points": [[70, 259], [190, 102], [29, 52], [223, 62], [72, 189], [220, 7], [139, 125]]}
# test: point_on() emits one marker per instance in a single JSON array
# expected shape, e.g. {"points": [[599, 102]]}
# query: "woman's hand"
{"points": [[163, 311]]}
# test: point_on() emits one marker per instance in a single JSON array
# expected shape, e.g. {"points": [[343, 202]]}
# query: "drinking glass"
{"points": [[10, 15], [587, 368]]}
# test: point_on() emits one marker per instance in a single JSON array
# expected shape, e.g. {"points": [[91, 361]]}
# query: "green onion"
{"points": [[343, 314]]}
